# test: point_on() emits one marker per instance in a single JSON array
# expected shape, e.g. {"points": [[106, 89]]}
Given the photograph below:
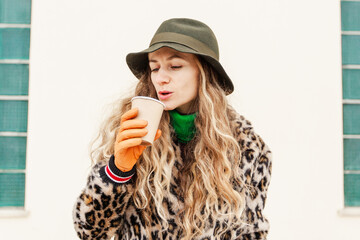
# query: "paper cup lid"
{"points": [[149, 98]]}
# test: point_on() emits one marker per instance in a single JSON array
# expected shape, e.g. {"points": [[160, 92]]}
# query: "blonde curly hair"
{"points": [[210, 165]]}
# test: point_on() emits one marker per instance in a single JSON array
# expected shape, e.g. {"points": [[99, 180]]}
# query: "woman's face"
{"points": [[175, 76]]}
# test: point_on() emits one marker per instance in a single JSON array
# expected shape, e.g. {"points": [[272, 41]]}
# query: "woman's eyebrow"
{"points": [[174, 56], [169, 58]]}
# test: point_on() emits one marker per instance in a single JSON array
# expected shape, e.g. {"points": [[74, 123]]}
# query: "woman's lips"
{"points": [[165, 95]]}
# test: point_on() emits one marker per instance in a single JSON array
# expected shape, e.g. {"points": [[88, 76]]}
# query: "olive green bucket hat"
{"points": [[184, 35]]}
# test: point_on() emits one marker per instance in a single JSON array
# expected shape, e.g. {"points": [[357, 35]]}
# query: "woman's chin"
{"points": [[169, 108]]}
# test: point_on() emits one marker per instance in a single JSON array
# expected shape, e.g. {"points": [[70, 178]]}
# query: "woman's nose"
{"points": [[163, 76]]}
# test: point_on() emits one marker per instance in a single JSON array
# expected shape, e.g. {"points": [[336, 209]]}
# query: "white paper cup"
{"points": [[150, 109]]}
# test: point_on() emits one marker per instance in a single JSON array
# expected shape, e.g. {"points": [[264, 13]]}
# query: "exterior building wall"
{"points": [[283, 56]]}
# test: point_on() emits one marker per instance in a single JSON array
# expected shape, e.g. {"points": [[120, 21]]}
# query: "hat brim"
{"points": [[138, 62]]}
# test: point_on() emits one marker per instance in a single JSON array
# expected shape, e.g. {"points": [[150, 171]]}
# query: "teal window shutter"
{"points": [[12, 189], [14, 83], [14, 43], [350, 26], [14, 79], [15, 11]]}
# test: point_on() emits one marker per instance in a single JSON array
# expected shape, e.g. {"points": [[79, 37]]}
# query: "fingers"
{"points": [[157, 135], [132, 113], [131, 133], [131, 124], [135, 124], [128, 143], [132, 129]]}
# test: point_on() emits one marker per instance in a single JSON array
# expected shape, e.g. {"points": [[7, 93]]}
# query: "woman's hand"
{"points": [[127, 145]]}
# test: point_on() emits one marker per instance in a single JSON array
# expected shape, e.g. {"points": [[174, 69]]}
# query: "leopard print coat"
{"points": [[105, 209]]}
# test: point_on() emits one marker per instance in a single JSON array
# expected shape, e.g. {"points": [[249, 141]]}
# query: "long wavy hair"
{"points": [[209, 168]]}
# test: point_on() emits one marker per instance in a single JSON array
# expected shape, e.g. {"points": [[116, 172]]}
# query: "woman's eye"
{"points": [[154, 69], [176, 67]]}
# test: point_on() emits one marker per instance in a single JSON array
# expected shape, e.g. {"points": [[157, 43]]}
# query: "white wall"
{"points": [[284, 58]]}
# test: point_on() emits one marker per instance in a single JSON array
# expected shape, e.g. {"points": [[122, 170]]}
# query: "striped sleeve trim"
{"points": [[113, 174], [115, 178]]}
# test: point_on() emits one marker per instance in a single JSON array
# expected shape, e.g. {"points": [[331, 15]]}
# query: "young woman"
{"points": [[206, 175]]}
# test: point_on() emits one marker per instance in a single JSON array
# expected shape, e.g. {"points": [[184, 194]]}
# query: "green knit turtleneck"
{"points": [[184, 125]]}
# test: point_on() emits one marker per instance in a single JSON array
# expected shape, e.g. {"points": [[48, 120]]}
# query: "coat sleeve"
{"points": [[255, 173], [257, 180], [100, 208]]}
